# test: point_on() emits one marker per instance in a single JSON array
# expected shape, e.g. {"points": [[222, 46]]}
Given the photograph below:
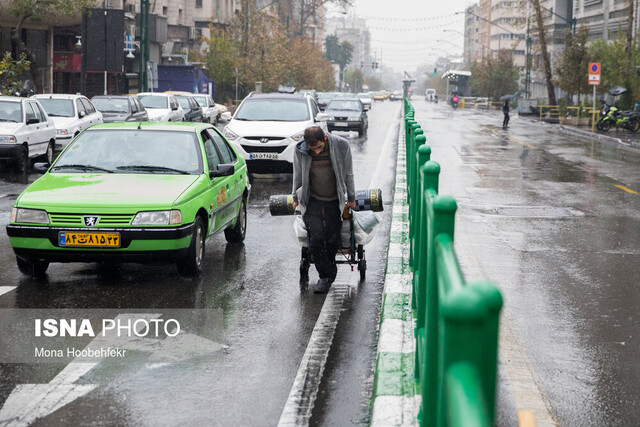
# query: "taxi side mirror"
{"points": [[222, 170]]}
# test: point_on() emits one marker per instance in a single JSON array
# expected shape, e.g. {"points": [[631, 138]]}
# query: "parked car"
{"points": [[161, 107], [346, 115], [26, 131], [209, 109], [121, 108], [133, 192], [266, 127], [192, 110], [71, 114], [366, 99], [223, 113]]}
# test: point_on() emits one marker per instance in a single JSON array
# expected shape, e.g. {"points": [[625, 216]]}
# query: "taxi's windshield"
{"points": [[132, 151]]}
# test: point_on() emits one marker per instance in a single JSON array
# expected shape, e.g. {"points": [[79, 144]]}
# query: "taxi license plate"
{"points": [[342, 124], [268, 156], [92, 240]]}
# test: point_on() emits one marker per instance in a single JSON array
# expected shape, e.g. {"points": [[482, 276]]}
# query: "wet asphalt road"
{"points": [[266, 326], [553, 220]]}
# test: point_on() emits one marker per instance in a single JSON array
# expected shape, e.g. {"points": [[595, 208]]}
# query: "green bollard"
{"points": [[423, 155]]}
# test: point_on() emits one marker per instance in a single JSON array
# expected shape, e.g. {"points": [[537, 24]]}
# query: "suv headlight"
{"points": [[32, 216], [229, 134], [158, 218], [62, 132], [8, 139], [298, 136]]}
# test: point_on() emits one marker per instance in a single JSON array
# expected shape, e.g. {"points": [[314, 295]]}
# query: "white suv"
{"points": [[26, 132], [267, 126], [71, 113]]}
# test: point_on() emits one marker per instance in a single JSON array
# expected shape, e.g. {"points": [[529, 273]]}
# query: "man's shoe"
{"points": [[322, 287]]}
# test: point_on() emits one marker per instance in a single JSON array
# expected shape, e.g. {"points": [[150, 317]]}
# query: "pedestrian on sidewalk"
{"points": [[505, 111], [322, 175]]}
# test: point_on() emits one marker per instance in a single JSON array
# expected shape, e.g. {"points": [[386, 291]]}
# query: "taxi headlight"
{"points": [[229, 134], [31, 216], [298, 136], [158, 218], [8, 139]]}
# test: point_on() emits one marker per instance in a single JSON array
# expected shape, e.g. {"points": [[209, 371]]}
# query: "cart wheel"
{"points": [[362, 267], [360, 252]]}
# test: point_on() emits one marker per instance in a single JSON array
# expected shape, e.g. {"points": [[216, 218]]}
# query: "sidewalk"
{"points": [[396, 401]]}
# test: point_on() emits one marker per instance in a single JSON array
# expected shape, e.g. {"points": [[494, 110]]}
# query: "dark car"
{"points": [[120, 108], [347, 114], [192, 110]]}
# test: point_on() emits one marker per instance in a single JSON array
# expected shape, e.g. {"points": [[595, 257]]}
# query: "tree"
{"points": [[10, 72], [355, 79], [220, 60], [339, 53], [546, 64], [308, 67], [35, 11], [298, 15], [496, 76], [572, 66]]}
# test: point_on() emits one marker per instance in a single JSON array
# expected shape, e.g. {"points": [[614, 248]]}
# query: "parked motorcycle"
{"points": [[629, 120]]}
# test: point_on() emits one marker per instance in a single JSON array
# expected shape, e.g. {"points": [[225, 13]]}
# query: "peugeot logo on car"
{"points": [[264, 140], [90, 221]]}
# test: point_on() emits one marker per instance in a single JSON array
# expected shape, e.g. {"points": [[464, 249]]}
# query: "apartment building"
{"points": [[354, 31]]}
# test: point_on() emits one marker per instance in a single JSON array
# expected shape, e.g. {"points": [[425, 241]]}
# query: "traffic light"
{"points": [[435, 70]]}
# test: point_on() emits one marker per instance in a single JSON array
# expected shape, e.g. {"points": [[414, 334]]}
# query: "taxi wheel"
{"points": [[22, 160], [32, 268], [51, 152], [191, 264], [237, 233]]}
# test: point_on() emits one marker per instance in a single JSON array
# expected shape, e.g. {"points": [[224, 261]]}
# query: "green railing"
{"points": [[456, 323]]}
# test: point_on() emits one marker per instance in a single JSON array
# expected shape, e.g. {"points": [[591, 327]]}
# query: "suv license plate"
{"points": [[95, 240], [342, 124], [267, 156]]}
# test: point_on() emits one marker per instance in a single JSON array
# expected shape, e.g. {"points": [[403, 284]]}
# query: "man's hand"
{"points": [[351, 204], [295, 205]]}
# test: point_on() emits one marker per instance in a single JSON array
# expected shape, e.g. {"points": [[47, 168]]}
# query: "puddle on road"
{"points": [[529, 211]]}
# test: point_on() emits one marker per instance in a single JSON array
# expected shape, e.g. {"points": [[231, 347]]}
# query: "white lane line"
{"points": [[301, 400], [6, 289], [386, 161]]}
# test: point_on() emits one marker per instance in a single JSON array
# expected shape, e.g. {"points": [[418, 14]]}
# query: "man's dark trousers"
{"points": [[322, 219]]}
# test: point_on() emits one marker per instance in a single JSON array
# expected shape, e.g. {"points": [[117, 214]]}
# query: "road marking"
{"points": [[522, 142], [6, 289], [628, 190], [301, 400], [526, 419], [386, 154]]}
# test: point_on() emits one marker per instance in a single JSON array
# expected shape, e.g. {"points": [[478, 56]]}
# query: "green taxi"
{"points": [[133, 192]]}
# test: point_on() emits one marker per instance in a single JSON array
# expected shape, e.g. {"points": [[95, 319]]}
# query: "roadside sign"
{"points": [[594, 79], [594, 68]]}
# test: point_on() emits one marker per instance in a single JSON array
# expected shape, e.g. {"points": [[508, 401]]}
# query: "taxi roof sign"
{"points": [[594, 68]]}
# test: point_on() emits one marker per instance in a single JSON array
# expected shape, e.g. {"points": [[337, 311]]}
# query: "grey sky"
{"points": [[409, 33]]}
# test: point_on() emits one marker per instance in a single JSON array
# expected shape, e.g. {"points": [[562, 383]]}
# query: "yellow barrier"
{"points": [[567, 115]]}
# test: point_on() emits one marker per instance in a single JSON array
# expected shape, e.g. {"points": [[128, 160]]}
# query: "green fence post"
{"points": [[488, 371], [411, 155], [422, 156], [466, 403], [441, 219]]}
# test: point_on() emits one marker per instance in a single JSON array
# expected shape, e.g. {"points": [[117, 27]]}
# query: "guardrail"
{"points": [[456, 323], [578, 116]]}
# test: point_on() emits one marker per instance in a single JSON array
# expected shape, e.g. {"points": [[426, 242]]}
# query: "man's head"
{"points": [[315, 138]]}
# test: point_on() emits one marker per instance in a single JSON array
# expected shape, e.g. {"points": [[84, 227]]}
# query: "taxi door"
{"points": [[219, 186], [232, 188]]}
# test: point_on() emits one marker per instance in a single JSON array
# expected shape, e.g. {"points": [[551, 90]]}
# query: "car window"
{"points": [[57, 107], [88, 106], [226, 153], [80, 107], [184, 103], [202, 100], [132, 105], [213, 159], [314, 108], [193, 103], [113, 105], [276, 109], [30, 114], [150, 101], [39, 112], [10, 111], [121, 150]]}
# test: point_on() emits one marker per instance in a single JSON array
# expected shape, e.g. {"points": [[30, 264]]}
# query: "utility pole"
{"points": [[143, 82]]}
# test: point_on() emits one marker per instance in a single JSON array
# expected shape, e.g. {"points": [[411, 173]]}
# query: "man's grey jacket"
{"points": [[342, 163]]}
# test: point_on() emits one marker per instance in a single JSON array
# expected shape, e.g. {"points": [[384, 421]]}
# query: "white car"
{"points": [[267, 126], [223, 113], [26, 131], [366, 99], [209, 109], [71, 113], [161, 107]]}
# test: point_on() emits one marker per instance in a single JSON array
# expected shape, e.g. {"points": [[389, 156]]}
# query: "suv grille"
{"points": [[263, 148], [259, 138], [76, 220]]}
